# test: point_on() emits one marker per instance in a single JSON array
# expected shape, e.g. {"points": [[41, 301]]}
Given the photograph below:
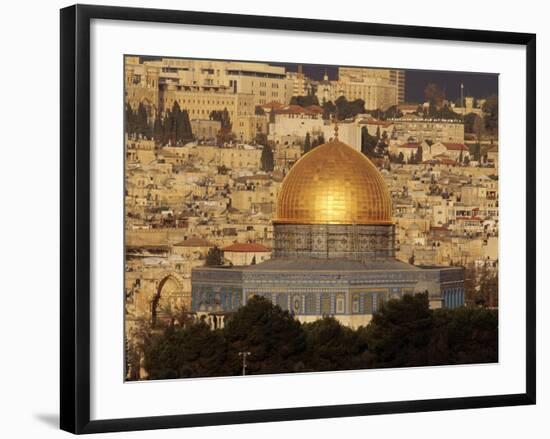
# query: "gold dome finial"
{"points": [[335, 120]]}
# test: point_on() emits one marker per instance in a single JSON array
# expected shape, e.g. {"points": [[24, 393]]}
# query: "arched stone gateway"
{"points": [[169, 295]]}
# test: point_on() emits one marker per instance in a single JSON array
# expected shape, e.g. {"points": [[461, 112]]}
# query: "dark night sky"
{"points": [[475, 84]]}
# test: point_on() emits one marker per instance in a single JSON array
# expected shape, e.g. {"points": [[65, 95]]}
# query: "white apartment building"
{"points": [[265, 82], [416, 129], [201, 86]]}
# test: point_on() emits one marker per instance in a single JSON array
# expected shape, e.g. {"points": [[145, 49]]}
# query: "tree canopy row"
{"points": [[402, 333], [171, 128]]}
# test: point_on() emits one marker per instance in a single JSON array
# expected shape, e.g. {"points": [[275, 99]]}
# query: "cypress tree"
{"points": [[143, 127], [418, 157], [187, 131], [307, 143], [158, 132], [176, 124], [130, 120], [267, 159]]}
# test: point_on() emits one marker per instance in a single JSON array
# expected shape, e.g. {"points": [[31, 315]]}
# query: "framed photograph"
{"points": [[268, 219]]}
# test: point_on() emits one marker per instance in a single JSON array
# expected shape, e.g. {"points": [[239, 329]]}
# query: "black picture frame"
{"points": [[75, 217]]}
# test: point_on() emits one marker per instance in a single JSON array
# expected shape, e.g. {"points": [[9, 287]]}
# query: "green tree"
{"points": [[347, 109], [329, 110], [464, 335], [488, 286], [368, 143], [225, 134], [470, 121], [400, 332], [477, 152], [143, 128], [332, 346], [307, 143], [304, 101], [184, 132], [130, 120], [446, 112], [267, 159], [176, 126], [393, 113], [275, 339], [490, 108], [478, 128], [158, 130], [261, 138], [418, 157], [214, 257], [435, 96], [192, 351]]}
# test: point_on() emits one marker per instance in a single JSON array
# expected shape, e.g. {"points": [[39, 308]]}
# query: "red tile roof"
{"points": [[383, 123], [455, 146], [312, 110], [271, 105], [246, 247], [315, 109], [444, 160], [410, 145], [447, 162]]}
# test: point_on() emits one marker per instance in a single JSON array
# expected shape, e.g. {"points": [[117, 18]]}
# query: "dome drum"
{"points": [[353, 242]]}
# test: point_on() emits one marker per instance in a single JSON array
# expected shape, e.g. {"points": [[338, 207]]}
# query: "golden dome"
{"points": [[334, 184]]}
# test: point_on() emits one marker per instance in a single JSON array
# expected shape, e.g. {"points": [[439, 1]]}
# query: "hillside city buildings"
{"points": [[184, 200]]}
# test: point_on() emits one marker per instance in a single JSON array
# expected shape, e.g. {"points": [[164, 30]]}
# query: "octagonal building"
{"points": [[333, 249]]}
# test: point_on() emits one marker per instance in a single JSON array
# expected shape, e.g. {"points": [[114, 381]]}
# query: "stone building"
{"points": [[160, 78], [246, 253], [206, 129], [417, 129]]}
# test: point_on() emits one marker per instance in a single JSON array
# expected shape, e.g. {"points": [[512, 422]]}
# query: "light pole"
{"points": [[244, 355]]}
